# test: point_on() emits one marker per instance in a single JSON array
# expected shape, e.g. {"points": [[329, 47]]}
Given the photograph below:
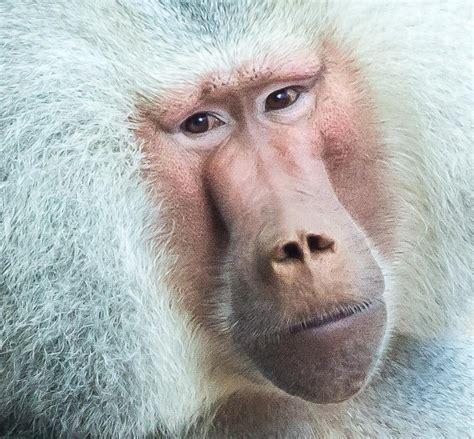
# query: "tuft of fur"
{"points": [[92, 342]]}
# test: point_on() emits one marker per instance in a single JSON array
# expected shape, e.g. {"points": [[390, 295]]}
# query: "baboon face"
{"points": [[276, 201]]}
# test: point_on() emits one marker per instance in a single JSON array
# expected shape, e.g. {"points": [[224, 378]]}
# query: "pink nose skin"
{"points": [[285, 259], [302, 249]]}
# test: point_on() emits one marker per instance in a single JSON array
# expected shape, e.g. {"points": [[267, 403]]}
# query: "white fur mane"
{"points": [[90, 337]]}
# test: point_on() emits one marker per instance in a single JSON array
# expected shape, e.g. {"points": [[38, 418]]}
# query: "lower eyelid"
{"points": [[293, 112]]}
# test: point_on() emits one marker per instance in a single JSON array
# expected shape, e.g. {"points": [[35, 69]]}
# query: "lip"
{"points": [[326, 359], [332, 316]]}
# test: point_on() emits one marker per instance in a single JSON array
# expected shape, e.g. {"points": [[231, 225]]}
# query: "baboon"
{"points": [[235, 219]]}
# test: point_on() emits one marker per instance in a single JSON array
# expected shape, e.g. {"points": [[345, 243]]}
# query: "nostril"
{"points": [[296, 250], [292, 250], [317, 243]]}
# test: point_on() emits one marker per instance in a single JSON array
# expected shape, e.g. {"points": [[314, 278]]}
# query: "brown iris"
{"points": [[200, 123], [281, 99]]}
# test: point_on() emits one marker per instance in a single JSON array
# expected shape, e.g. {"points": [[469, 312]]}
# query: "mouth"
{"points": [[328, 358], [331, 316]]}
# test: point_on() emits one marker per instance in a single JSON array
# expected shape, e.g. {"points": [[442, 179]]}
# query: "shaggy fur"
{"points": [[92, 342]]}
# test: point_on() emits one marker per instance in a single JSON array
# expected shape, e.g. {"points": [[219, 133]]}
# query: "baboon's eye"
{"points": [[200, 123], [282, 98]]}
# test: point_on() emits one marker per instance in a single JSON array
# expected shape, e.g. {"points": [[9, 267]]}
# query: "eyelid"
{"points": [[209, 113], [299, 88]]}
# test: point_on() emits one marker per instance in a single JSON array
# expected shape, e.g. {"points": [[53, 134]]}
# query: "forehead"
{"points": [[203, 49], [251, 74], [183, 39]]}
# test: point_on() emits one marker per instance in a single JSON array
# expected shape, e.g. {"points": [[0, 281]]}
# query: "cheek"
{"points": [[353, 155], [338, 134], [186, 218], [177, 185]]}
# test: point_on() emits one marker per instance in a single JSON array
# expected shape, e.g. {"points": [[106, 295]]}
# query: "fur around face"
{"points": [[92, 341]]}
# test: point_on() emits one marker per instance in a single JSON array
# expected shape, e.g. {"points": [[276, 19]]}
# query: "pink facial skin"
{"points": [[277, 214]]}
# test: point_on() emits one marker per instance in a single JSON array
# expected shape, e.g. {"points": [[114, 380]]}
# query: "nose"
{"points": [[301, 258], [303, 249]]}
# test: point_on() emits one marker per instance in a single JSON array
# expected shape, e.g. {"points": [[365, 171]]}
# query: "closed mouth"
{"points": [[338, 313]]}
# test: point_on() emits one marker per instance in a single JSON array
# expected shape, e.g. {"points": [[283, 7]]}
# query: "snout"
{"points": [[306, 291]]}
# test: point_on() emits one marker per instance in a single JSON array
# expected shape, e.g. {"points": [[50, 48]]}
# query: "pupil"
{"points": [[198, 123], [282, 95], [200, 120], [280, 99]]}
